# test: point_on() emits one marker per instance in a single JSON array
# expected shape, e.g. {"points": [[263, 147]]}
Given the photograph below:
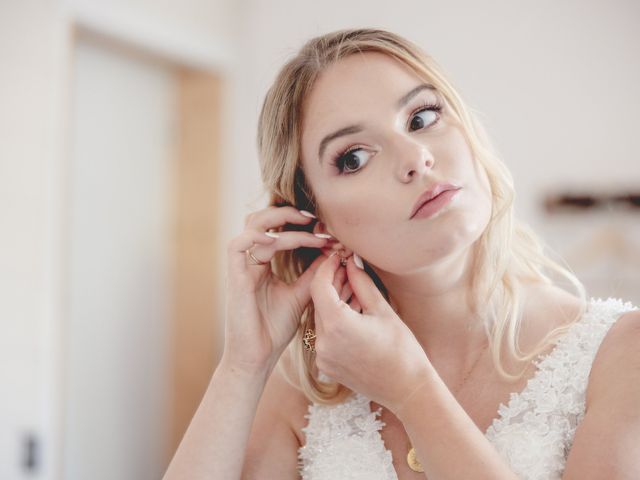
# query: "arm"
{"points": [[447, 442], [215, 441], [263, 315], [272, 451], [225, 440]]}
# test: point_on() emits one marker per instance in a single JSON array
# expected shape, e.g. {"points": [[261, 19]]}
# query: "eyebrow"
{"points": [[359, 127]]}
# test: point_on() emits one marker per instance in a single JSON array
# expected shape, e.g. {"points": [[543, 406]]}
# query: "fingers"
{"points": [[347, 295], [325, 296], [345, 291], [370, 298], [331, 292], [355, 304], [287, 241], [332, 273], [274, 217], [339, 279], [301, 287], [237, 247], [255, 233]]}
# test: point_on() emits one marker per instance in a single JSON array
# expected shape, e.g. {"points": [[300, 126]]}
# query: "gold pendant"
{"points": [[413, 461]]}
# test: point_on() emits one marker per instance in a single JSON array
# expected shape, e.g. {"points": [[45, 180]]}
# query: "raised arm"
{"points": [[242, 429], [262, 316], [214, 444]]}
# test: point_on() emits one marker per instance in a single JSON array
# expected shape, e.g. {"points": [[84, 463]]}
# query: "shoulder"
{"points": [[615, 373], [606, 441], [547, 307]]}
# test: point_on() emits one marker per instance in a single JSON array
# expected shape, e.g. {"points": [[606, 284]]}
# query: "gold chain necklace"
{"points": [[412, 458]]}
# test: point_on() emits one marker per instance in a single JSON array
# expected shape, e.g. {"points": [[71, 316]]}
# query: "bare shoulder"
{"points": [[553, 300], [606, 441], [547, 307], [616, 366]]}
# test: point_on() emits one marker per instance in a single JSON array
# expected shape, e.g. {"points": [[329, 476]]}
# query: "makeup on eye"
{"points": [[434, 107], [339, 159]]}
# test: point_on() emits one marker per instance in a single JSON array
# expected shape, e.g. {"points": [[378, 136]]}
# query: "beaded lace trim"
{"points": [[533, 432]]}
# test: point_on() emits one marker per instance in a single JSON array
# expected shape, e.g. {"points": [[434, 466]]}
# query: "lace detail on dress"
{"points": [[343, 442], [533, 432]]}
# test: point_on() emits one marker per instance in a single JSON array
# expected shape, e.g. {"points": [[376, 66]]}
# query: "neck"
{"points": [[434, 302]]}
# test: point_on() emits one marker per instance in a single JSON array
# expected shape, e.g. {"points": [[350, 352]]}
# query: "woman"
{"points": [[389, 263]]}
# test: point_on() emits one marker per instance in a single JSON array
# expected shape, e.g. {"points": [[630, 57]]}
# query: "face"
{"points": [[367, 179]]}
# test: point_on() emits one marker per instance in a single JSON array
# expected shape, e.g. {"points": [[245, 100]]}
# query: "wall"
{"points": [[33, 41], [554, 81], [120, 292], [35, 49]]}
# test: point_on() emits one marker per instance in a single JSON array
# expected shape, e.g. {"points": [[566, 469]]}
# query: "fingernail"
{"points": [[272, 235], [307, 214], [322, 235], [358, 261]]}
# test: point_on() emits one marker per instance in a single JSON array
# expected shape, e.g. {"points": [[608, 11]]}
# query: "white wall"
{"points": [[32, 85], [555, 81], [120, 210], [196, 21], [196, 33], [35, 50]]}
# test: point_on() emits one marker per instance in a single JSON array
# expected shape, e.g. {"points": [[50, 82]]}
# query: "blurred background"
{"points": [[128, 161]]}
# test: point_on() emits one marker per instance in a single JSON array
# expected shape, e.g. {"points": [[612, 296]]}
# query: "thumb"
{"points": [[365, 290], [302, 286]]}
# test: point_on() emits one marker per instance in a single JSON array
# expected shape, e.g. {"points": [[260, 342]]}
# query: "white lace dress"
{"points": [[533, 432]]}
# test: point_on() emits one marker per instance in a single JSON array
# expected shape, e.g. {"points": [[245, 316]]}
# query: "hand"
{"points": [[262, 311], [373, 352]]}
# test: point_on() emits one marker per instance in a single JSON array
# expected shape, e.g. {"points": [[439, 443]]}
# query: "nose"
{"points": [[414, 158]]}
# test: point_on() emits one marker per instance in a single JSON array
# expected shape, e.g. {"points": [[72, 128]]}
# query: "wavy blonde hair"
{"points": [[508, 253]]}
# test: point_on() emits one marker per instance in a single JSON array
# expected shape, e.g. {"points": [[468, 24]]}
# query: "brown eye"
{"points": [[349, 161], [423, 118]]}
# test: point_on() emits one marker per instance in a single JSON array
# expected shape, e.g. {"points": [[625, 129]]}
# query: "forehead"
{"points": [[368, 80], [355, 78]]}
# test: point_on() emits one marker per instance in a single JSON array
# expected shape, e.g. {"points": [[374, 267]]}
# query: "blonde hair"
{"points": [[508, 253]]}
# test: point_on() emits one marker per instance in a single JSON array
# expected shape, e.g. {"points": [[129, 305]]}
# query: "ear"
{"points": [[333, 244]]}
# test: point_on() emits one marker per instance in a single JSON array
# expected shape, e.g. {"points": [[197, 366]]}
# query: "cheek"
{"points": [[357, 219], [349, 215]]}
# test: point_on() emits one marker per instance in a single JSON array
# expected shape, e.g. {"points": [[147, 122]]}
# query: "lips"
{"points": [[431, 194]]}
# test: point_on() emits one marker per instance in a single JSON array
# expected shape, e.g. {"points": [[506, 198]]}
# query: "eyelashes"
{"points": [[339, 159]]}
